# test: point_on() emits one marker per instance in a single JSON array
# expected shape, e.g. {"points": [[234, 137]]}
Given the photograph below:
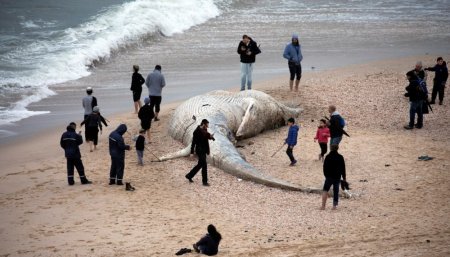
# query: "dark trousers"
{"points": [[290, 154], [295, 70], [200, 165], [438, 88], [155, 102], [335, 183], [117, 168], [323, 148], [416, 107], [75, 163]]}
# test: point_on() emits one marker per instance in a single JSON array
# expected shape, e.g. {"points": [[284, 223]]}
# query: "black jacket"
{"points": [[252, 47], [210, 245], [334, 166], [413, 90], [146, 114], [94, 120], [136, 82], [335, 128], [200, 141], [140, 143], [441, 73], [70, 141]]}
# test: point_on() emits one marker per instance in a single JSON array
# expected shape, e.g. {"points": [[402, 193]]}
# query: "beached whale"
{"points": [[232, 116]]}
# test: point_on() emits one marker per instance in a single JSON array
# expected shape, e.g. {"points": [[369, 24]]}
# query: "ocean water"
{"points": [[50, 50]]}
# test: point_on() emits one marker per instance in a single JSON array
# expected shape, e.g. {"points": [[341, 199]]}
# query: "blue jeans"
{"points": [[416, 107], [335, 140], [335, 183], [246, 75]]}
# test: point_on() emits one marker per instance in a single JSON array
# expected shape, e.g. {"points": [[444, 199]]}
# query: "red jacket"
{"points": [[322, 134]]}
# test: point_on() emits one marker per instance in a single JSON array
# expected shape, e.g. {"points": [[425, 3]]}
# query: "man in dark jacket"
{"points": [[335, 125], [70, 141], [416, 98], [146, 115], [333, 170], [247, 49], [136, 86], [201, 146], [117, 149], [440, 78]]}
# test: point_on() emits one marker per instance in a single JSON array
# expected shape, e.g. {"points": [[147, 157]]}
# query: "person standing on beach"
{"points": [[155, 83], [336, 125], [322, 135], [117, 149], [200, 144], [333, 170], [146, 115], [247, 49], [140, 146], [440, 78], [89, 102], [93, 124], [136, 86], [291, 140], [293, 53], [70, 142], [416, 97]]}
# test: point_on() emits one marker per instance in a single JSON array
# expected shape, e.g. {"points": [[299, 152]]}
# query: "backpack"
{"points": [[423, 91]]}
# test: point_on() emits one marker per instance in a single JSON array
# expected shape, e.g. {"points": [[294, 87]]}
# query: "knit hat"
{"points": [[146, 100], [89, 89], [96, 109], [295, 36]]}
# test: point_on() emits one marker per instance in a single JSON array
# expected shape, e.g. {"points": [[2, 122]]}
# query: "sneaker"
{"points": [[293, 163], [206, 184], [408, 127], [188, 178], [418, 126]]}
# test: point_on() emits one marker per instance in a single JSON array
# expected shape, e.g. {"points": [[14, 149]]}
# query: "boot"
{"points": [[112, 181], [129, 187], [85, 181], [119, 182]]}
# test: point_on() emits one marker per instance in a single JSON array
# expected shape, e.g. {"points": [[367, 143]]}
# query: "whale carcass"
{"points": [[232, 116]]}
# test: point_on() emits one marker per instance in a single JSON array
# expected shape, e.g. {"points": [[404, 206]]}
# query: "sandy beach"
{"points": [[399, 206]]}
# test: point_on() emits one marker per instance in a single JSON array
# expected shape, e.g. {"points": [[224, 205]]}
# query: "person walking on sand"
{"points": [[155, 83], [140, 147], [117, 149], [293, 53], [417, 96], [146, 115], [333, 170], [209, 244], [89, 102], [247, 49], [336, 125], [136, 87], [322, 135], [200, 144], [93, 124], [291, 140], [70, 142], [440, 78]]}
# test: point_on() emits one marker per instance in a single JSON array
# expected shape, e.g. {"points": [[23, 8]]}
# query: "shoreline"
{"points": [[398, 210]]}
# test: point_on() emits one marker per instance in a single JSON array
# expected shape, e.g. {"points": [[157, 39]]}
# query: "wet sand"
{"points": [[399, 206]]}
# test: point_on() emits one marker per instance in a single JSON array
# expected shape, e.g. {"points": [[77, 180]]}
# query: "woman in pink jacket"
{"points": [[322, 135]]}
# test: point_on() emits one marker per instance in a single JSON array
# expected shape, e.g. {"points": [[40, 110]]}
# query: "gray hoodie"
{"points": [[155, 82]]}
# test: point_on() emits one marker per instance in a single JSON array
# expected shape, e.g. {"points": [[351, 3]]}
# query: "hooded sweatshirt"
{"points": [[70, 141], [117, 145], [291, 140]]}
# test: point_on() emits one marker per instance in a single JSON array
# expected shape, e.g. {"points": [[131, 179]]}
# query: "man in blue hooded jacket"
{"points": [[293, 53], [117, 149], [70, 142]]}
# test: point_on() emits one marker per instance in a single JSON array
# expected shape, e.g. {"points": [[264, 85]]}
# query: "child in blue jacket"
{"points": [[291, 140]]}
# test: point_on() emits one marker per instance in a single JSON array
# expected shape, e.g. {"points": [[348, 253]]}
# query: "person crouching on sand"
{"points": [[333, 169], [291, 140], [117, 149], [322, 135], [70, 142]]}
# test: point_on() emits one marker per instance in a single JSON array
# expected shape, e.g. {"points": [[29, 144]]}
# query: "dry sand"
{"points": [[400, 209]]}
